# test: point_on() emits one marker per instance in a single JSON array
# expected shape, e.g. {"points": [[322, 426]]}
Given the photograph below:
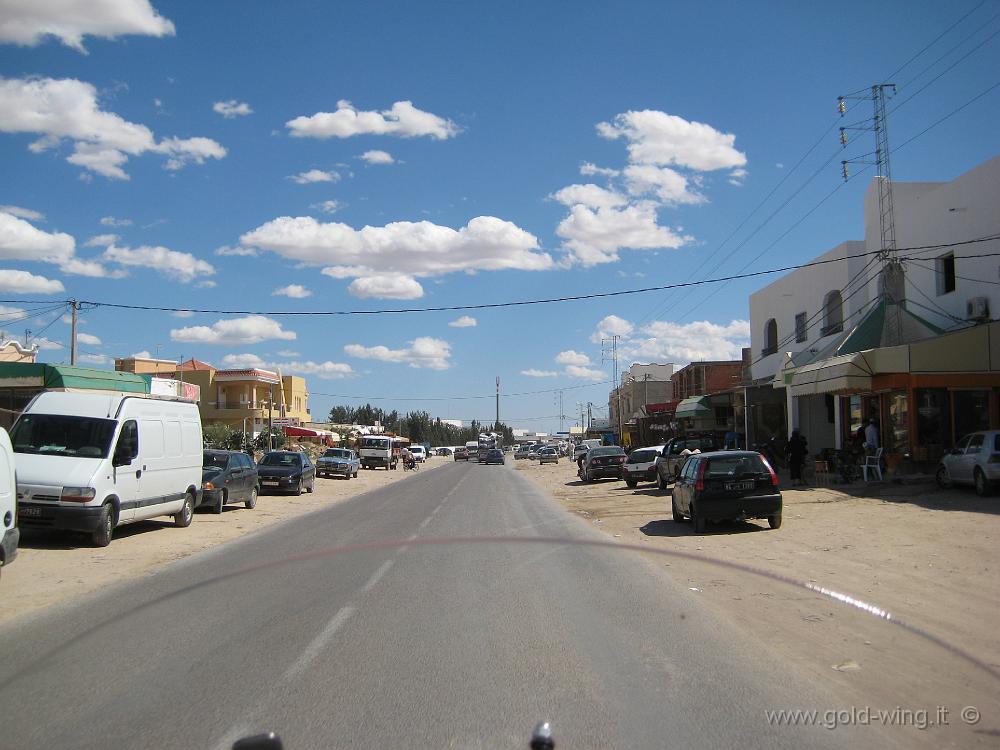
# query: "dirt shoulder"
{"points": [[53, 567], [928, 556]]}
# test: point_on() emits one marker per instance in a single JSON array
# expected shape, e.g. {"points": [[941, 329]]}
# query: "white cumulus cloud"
{"points": [[111, 221], [668, 185], [533, 373], [656, 137], [666, 341], [590, 195], [402, 120], [94, 359], [101, 240], [466, 321], [251, 329], [588, 169], [611, 325], [423, 352], [296, 291], [325, 370], [232, 108], [314, 175], [88, 339], [571, 357], [386, 286], [57, 109], [238, 251], [22, 282], [173, 264], [377, 157], [585, 373], [23, 213], [20, 240], [327, 207], [595, 236], [28, 22]]}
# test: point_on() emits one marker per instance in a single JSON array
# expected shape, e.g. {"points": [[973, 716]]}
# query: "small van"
{"points": [[418, 452], [92, 462], [9, 533]]}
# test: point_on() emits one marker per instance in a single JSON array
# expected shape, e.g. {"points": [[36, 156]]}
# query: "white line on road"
{"points": [[319, 642], [377, 575]]}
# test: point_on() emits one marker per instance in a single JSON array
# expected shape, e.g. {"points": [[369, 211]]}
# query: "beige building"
{"points": [[243, 398], [12, 351]]}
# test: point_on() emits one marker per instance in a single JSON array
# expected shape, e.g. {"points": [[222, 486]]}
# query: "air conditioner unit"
{"points": [[977, 308]]}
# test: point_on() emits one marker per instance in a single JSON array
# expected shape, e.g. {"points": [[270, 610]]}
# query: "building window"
{"points": [[801, 332], [770, 337], [833, 313], [945, 266]]}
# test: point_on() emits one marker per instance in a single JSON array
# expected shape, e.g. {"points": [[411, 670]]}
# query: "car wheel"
{"points": [[982, 485], [106, 527], [774, 521], [660, 484], [183, 517], [355, 475], [697, 520], [298, 488], [251, 502], [217, 508], [678, 516], [312, 486], [942, 478], [631, 482]]}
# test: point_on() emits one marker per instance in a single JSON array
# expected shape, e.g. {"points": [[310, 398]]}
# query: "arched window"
{"points": [[833, 313], [770, 337]]}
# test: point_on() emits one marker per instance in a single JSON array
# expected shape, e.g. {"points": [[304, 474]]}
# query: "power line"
{"points": [[932, 43], [954, 112]]}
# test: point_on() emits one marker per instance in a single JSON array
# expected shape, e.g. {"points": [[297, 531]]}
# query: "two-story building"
{"points": [[642, 384], [903, 340], [704, 392]]}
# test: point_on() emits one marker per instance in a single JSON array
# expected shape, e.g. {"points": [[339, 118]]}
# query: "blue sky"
{"points": [[493, 152]]}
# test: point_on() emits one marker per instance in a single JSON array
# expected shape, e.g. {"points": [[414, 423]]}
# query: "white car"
{"points": [[975, 460], [418, 452], [640, 466], [9, 533]]}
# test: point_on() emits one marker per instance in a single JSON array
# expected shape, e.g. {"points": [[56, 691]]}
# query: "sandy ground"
{"points": [[926, 555], [53, 567]]}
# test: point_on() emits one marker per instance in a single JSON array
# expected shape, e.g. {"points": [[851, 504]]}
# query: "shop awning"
{"points": [[694, 407], [309, 432], [847, 373], [663, 406]]}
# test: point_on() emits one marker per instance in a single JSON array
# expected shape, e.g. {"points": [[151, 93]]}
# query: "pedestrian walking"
{"points": [[798, 449]]}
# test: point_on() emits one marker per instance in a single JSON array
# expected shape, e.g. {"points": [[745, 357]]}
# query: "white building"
{"points": [[813, 315]]}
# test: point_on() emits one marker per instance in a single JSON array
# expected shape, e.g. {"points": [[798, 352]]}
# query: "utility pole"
{"points": [[590, 415], [74, 305], [496, 425], [618, 389], [562, 416], [27, 335]]}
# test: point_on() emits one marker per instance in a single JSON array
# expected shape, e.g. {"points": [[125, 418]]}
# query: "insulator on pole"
{"points": [[841, 105], [843, 137], [843, 169]]}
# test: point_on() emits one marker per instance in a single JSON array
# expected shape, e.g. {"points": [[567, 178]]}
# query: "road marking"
{"points": [[377, 575], [319, 642]]}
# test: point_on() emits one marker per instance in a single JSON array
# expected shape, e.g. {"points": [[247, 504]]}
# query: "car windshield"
{"points": [[57, 435], [642, 456], [281, 459], [211, 460], [733, 466], [337, 453]]}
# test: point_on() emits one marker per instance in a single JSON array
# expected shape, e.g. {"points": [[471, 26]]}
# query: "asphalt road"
{"points": [[402, 645]]}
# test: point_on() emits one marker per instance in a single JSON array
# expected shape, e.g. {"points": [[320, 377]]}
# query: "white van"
{"points": [[418, 453], [90, 461], [9, 533]]}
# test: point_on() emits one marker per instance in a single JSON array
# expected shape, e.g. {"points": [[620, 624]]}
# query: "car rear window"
{"points": [[642, 457], [734, 466], [609, 451]]}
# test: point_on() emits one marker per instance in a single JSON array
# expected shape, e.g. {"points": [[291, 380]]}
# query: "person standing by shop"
{"points": [[871, 438], [797, 450]]}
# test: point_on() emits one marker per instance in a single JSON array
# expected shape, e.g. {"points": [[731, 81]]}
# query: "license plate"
{"points": [[269, 481], [739, 485], [34, 512]]}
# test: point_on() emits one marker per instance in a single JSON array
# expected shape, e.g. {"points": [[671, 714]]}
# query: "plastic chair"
{"points": [[874, 463]]}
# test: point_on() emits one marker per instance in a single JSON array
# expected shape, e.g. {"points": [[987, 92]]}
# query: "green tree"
{"points": [[217, 436], [342, 415]]}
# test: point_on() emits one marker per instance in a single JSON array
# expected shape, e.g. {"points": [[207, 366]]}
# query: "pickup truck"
{"points": [[672, 457]]}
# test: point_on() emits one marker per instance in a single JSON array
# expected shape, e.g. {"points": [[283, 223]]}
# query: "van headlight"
{"points": [[77, 494]]}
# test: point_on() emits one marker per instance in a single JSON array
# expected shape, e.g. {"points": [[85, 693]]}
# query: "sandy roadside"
{"points": [[928, 556], [54, 567]]}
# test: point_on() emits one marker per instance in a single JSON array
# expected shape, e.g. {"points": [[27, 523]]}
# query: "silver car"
{"points": [[338, 462], [548, 456], [975, 460]]}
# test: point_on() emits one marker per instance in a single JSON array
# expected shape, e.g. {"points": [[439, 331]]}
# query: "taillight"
{"points": [[774, 477], [699, 482]]}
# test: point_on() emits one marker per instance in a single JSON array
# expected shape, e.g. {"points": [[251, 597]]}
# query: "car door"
{"points": [[308, 470], [973, 453], [127, 470], [958, 462], [683, 488], [236, 478]]}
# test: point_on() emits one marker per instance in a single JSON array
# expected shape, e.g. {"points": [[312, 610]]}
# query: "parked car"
{"points": [[726, 485], [290, 471], [548, 456], [975, 460], [91, 462], [603, 462], [461, 453], [9, 533], [338, 462], [640, 466], [534, 449], [673, 455], [521, 451], [228, 477], [494, 456], [444, 451], [581, 449], [481, 455], [419, 453]]}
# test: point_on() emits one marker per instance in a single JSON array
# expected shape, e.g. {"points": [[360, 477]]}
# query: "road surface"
{"points": [[406, 645]]}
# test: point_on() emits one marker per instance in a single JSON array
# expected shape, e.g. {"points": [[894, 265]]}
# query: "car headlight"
{"points": [[207, 486], [77, 494]]}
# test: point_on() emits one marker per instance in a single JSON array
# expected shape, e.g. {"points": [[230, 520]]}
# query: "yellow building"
{"points": [[242, 399], [12, 351]]}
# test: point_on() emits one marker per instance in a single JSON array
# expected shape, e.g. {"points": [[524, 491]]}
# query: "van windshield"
{"points": [[375, 443], [58, 435]]}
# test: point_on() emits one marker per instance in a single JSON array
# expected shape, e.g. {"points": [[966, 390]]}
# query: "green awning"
{"points": [[64, 377], [694, 407]]}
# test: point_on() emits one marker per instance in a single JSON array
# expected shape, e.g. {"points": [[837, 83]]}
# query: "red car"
{"points": [[462, 454]]}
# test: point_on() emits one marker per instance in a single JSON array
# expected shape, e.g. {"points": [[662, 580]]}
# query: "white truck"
{"points": [[379, 450], [92, 462]]}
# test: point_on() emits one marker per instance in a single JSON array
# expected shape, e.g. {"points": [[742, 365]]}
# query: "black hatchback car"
{"points": [[287, 471], [605, 461], [726, 485], [227, 477]]}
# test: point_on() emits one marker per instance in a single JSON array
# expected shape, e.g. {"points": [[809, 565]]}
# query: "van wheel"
{"points": [[251, 502], [183, 517], [355, 475], [106, 527], [217, 508]]}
